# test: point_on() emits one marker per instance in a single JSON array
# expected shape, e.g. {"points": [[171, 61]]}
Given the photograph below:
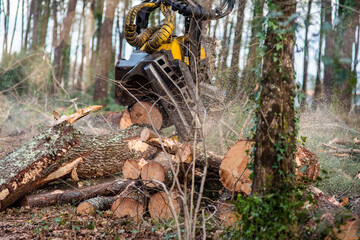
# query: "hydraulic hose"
{"points": [[131, 36], [159, 37]]}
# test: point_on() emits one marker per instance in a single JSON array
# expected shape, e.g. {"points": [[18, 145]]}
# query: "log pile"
{"points": [[154, 171]]}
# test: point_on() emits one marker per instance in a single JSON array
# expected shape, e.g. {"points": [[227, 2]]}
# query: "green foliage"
{"points": [[273, 216], [12, 77]]}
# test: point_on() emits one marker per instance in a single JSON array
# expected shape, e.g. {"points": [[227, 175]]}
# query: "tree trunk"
{"points": [[233, 81], [62, 44], [6, 27], [75, 195], [61, 150], [35, 32], [328, 59], [306, 53], [104, 54], [15, 22], [276, 125], [45, 21], [252, 71], [31, 12], [318, 87], [345, 77]]}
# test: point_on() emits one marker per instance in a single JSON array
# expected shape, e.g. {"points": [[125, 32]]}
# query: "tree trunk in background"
{"points": [[54, 15], [223, 55], [104, 53], [318, 87], [345, 77], [252, 70], [306, 53], [233, 81], [276, 125], [16, 16], [6, 27], [35, 32], [62, 43], [329, 54], [78, 82], [31, 12], [98, 17], [45, 21]]}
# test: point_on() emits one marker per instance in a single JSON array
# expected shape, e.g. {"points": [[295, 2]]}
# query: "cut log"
{"points": [[308, 166], [132, 168], [160, 207], [106, 154], [130, 203], [140, 112], [98, 203], [60, 149], [159, 170], [35, 163], [74, 196], [234, 174]]}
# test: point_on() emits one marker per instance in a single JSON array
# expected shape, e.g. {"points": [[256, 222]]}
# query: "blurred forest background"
{"points": [[70, 46]]}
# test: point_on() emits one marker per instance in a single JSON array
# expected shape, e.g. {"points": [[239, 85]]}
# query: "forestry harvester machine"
{"points": [[170, 71]]}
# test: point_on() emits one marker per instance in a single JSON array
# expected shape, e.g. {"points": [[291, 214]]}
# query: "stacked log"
{"points": [[235, 174]]}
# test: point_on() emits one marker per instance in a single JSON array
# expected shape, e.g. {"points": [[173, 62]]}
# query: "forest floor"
{"points": [[318, 129]]}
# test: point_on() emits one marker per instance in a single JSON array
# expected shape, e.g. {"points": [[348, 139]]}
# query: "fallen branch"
{"points": [[75, 195]]}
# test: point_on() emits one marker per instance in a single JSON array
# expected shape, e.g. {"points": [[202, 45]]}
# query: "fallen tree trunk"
{"points": [[37, 162], [62, 149], [75, 195], [107, 154]]}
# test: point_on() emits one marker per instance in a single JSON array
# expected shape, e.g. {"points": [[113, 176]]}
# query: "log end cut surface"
{"points": [[159, 206], [131, 169], [127, 207], [140, 115], [308, 166], [234, 174], [85, 208], [153, 171]]}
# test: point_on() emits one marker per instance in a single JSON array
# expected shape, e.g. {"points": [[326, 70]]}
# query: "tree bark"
{"points": [[104, 53], [31, 12], [74, 196], [33, 164], [61, 150], [233, 81], [97, 203], [275, 138]]}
